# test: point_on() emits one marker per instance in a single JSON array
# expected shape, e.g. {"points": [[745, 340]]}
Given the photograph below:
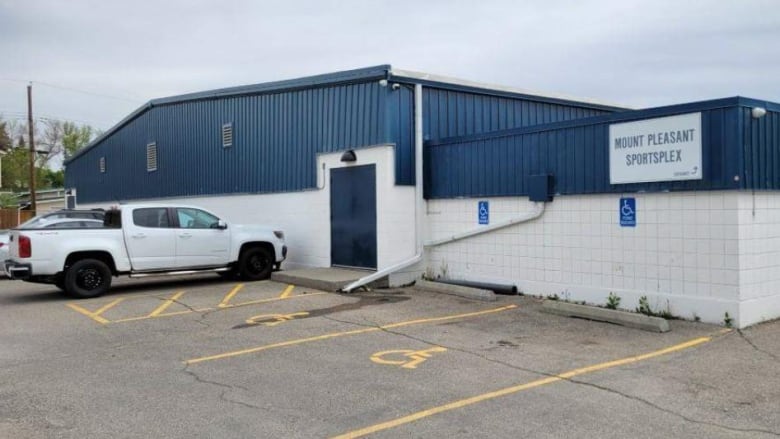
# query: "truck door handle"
{"points": [[139, 235], [185, 235]]}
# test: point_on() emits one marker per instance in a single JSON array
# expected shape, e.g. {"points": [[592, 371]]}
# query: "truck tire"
{"points": [[87, 278], [255, 263]]}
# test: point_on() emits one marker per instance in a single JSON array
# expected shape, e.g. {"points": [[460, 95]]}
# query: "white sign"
{"points": [[662, 149]]}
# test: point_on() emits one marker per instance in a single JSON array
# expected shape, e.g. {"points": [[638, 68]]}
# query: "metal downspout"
{"points": [[418, 201], [536, 213]]}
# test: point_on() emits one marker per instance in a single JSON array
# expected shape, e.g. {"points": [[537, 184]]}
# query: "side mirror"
{"points": [[221, 225]]}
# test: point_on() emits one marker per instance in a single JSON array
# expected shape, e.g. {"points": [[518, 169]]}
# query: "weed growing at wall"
{"points": [[613, 301], [644, 306]]}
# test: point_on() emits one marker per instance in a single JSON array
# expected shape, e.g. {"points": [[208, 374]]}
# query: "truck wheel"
{"points": [[255, 263], [87, 278]]}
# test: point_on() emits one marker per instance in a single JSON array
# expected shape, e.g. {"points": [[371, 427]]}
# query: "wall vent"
{"points": [[151, 157], [227, 134], [102, 165]]}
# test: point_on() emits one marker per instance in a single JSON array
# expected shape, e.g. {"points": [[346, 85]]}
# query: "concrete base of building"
{"points": [[324, 279], [456, 290]]}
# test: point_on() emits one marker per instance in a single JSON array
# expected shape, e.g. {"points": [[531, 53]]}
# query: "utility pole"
{"points": [[33, 207]]}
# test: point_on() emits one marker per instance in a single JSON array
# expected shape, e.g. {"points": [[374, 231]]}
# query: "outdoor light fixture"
{"points": [[383, 82], [758, 112], [348, 156]]}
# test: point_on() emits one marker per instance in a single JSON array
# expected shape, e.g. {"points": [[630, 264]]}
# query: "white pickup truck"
{"points": [[143, 240]]}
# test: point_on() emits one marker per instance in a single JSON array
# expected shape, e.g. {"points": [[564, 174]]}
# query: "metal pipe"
{"points": [[418, 201], [538, 211], [507, 289]]}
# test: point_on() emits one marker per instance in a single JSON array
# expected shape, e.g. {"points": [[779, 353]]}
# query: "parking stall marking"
{"points": [[226, 300], [165, 305], [287, 291], [96, 315], [514, 389], [159, 311], [345, 333], [413, 358]]}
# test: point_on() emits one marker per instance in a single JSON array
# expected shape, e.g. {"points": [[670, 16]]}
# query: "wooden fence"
{"points": [[10, 218]]}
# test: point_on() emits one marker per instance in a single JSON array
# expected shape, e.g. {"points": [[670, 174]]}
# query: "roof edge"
{"points": [[432, 79], [344, 76]]}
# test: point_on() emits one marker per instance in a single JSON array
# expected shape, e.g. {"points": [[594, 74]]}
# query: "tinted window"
{"points": [[64, 225], [195, 219], [156, 217], [75, 225]]}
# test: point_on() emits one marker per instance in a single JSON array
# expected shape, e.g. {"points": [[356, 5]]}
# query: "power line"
{"points": [[18, 115], [102, 95]]}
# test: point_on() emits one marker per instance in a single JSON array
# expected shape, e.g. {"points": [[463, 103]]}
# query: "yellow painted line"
{"points": [[226, 300], [274, 299], [169, 314], [509, 390], [178, 313], [287, 291], [96, 315], [166, 304], [345, 333]]}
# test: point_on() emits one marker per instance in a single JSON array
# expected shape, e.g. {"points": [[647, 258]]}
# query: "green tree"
{"points": [[8, 200], [16, 168], [5, 137], [50, 179], [57, 138], [16, 171], [76, 137]]}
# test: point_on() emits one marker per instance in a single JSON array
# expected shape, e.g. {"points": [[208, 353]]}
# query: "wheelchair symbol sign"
{"points": [[483, 212], [627, 212]]}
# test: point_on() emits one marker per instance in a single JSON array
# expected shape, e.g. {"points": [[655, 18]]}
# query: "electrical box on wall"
{"points": [[70, 198], [540, 187]]}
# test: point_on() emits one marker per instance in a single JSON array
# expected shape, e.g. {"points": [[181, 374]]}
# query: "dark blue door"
{"points": [[353, 216]]}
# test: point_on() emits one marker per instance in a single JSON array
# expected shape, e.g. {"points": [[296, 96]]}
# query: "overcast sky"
{"points": [[106, 58]]}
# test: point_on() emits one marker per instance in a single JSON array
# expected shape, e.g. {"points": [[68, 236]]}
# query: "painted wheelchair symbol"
{"points": [[274, 319], [483, 210], [626, 210], [409, 358]]}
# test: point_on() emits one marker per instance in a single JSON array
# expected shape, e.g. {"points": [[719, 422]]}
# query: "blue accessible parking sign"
{"points": [[483, 209], [627, 212]]}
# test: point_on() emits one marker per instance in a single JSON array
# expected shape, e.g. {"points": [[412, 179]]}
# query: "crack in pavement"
{"points": [[226, 388], [202, 313], [570, 380], [673, 413], [753, 345]]}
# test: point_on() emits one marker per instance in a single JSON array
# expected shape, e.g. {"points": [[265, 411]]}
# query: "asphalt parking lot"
{"points": [[203, 357]]}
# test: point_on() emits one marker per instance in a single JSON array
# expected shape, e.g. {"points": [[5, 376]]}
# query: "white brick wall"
{"points": [[759, 256], [693, 253]]}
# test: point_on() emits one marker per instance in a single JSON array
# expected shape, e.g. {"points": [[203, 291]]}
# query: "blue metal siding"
{"points": [[761, 142], [452, 113], [577, 155], [276, 139], [448, 112], [400, 126]]}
